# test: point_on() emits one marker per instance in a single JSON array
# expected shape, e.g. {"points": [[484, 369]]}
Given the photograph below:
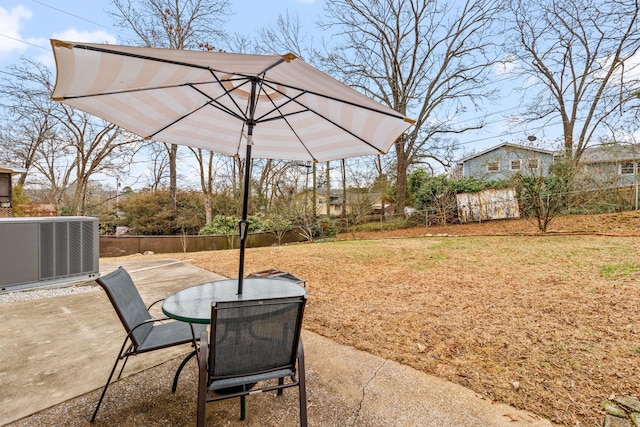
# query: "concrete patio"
{"points": [[56, 353]]}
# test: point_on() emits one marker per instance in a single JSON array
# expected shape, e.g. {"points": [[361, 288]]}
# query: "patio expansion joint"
{"points": [[364, 392]]}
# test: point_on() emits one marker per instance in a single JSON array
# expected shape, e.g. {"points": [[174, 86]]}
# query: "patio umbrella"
{"points": [[267, 106]]}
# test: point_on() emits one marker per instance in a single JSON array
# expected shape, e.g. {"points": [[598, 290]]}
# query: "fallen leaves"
{"points": [[526, 320]]}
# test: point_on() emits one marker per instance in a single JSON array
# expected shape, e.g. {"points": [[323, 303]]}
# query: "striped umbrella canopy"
{"points": [[266, 106]]}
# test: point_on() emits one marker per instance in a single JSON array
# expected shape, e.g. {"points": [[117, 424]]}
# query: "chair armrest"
{"points": [[154, 303], [158, 319]]}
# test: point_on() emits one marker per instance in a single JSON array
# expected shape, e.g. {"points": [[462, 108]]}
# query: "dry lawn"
{"points": [[544, 323]]}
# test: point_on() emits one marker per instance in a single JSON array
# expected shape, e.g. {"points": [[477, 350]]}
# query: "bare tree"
{"points": [[286, 35], [427, 59], [28, 114], [582, 57], [54, 170], [174, 24], [159, 159], [205, 164], [97, 146], [65, 146]]}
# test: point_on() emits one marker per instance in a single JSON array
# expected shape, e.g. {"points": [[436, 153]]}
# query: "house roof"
{"points": [[11, 170], [610, 153], [510, 145]]}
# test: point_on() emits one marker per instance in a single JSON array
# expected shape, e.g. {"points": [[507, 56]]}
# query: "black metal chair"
{"points": [[144, 332], [252, 342]]}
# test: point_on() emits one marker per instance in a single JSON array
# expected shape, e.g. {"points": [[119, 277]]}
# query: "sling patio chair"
{"points": [[252, 344], [144, 332]]}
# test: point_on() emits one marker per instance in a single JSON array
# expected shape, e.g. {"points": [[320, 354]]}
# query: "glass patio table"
{"points": [[193, 304]]}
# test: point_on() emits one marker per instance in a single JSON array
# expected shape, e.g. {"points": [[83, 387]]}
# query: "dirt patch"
{"points": [[544, 323]]}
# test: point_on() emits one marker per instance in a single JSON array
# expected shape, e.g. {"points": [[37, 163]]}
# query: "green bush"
{"points": [[220, 224], [542, 198], [225, 224], [325, 227], [151, 213], [278, 225]]}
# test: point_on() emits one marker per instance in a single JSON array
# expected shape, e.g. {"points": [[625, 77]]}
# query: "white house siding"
{"points": [[477, 166]]}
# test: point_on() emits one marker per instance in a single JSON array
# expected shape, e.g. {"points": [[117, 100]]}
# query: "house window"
{"points": [[5, 188], [320, 200], [515, 165], [493, 166], [627, 168], [533, 164]]}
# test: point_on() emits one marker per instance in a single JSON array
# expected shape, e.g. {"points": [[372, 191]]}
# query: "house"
{"points": [[358, 202], [505, 160], [6, 172], [610, 165], [381, 204]]}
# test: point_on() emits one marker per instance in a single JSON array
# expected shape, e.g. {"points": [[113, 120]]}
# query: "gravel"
{"points": [[28, 295]]}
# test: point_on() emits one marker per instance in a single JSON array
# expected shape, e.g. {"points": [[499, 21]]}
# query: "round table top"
{"points": [[193, 304]]}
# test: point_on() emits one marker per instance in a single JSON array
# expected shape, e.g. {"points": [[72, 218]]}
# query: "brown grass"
{"points": [[544, 323]]}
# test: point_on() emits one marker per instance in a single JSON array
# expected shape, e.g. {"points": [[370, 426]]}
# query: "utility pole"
{"points": [[344, 189], [314, 194], [328, 190]]}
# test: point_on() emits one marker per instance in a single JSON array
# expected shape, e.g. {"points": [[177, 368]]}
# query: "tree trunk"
{"points": [[172, 149], [344, 189], [401, 178]]}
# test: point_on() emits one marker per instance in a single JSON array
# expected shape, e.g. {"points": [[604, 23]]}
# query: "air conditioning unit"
{"points": [[44, 251]]}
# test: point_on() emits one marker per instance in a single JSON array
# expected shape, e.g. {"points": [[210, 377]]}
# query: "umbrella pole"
{"points": [[243, 223]]}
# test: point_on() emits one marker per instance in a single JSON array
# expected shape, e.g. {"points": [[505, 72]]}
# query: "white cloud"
{"points": [[505, 66], [10, 22], [74, 35], [631, 69]]}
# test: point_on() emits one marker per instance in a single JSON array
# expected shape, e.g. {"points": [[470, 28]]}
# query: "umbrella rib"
{"points": [[321, 116], [120, 92], [227, 93], [139, 56], [219, 105], [332, 98], [176, 121]]}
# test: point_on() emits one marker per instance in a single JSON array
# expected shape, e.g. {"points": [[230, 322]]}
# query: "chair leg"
{"points": [[202, 381], [280, 390], [123, 365], [302, 386], [243, 404], [104, 390]]}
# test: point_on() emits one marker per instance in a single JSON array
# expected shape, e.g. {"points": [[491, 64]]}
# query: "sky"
{"points": [[26, 26]]}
